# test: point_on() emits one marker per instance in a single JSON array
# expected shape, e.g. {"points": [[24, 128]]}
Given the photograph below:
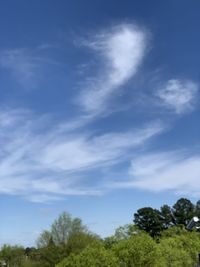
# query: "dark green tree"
{"points": [[183, 211], [167, 216], [197, 209], [149, 220]]}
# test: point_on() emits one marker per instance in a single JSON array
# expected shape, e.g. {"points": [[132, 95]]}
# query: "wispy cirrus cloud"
{"points": [[42, 164], [21, 64], [26, 65], [178, 95], [120, 50], [175, 171]]}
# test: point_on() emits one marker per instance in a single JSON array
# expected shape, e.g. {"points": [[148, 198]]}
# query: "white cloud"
{"points": [[121, 49], [37, 160], [25, 65], [79, 152], [175, 171], [178, 95], [22, 65], [43, 163]]}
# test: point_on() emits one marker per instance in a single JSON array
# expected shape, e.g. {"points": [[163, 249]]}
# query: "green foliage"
{"points": [[174, 231], [44, 239], [191, 243], [178, 247], [12, 255], [121, 233], [67, 235], [79, 241], [167, 216], [183, 211], [61, 229], [197, 209], [48, 256], [126, 231], [149, 220], [171, 253], [92, 256], [158, 239], [154, 221], [26, 262], [110, 241], [139, 250]]}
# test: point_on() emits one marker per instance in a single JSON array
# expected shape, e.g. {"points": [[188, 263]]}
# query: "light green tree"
{"points": [[92, 256], [139, 250], [126, 231], [79, 241], [172, 254], [44, 239], [61, 229]]}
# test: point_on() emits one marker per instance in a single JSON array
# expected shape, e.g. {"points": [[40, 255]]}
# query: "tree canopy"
{"points": [[61, 230], [149, 220], [158, 238], [154, 221]]}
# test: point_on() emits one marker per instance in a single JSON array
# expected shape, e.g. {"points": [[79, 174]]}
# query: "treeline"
{"points": [[154, 221], [158, 238]]}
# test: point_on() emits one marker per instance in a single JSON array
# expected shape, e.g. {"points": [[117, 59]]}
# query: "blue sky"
{"points": [[99, 111]]}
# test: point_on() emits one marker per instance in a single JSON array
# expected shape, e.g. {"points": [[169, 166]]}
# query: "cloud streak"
{"points": [[45, 163], [175, 171], [21, 64], [25, 65], [121, 49], [41, 163]]}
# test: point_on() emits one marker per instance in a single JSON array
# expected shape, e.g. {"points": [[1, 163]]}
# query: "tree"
{"points": [[121, 233], [110, 241], [167, 216], [44, 239], [126, 231], [174, 231], [139, 250], [183, 211], [197, 209], [180, 249], [149, 220], [12, 255], [92, 256], [47, 256], [172, 254], [65, 226], [61, 230], [77, 242], [191, 243]]}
